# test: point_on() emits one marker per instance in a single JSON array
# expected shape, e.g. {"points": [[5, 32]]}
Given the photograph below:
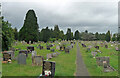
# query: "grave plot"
{"points": [[106, 69], [104, 61]]}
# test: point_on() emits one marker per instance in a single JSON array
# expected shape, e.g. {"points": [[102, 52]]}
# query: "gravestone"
{"points": [[49, 56], [83, 45], [38, 60], [48, 66], [62, 48], [21, 58], [97, 47], [106, 46], [67, 50], [31, 48], [6, 56], [101, 61], [24, 51]]}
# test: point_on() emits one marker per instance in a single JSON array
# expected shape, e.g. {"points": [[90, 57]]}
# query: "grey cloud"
{"points": [[93, 16]]}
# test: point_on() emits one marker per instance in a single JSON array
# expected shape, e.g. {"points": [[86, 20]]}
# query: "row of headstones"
{"points": [[105, 63], [51, 55], [101, 61], [9, 55]]}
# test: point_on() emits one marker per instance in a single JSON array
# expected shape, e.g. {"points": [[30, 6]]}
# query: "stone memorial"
{"points": [[21, 58], [48, 66], [38, 60], [97, 47], [83, 45], [62, 48], [66, 50]]}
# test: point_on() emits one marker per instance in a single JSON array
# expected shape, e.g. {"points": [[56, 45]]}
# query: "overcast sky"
{"points": [[92, 16]]}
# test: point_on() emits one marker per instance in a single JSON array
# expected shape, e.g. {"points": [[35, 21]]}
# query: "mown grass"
{"points": [[91, 64], [65, 63]]}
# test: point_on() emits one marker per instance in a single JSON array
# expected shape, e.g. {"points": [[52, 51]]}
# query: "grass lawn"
{"points": [[91, 64], [65, 63]]}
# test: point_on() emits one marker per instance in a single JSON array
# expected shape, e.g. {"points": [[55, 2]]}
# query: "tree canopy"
{"points": [[29, 31]]}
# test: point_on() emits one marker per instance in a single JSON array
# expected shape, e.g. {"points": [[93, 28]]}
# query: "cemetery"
{"points": [[103, 60], [33, 50]]}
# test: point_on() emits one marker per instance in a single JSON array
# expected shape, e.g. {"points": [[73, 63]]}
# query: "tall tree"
{"points": [[29, 31], [97, 36], [77, 35], [15, 33], [56, 32], [68, 34], [108, 36], [7, 35]]}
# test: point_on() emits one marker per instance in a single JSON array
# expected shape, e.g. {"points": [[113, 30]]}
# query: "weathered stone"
{"points": [[21, 58], [38, 60]]}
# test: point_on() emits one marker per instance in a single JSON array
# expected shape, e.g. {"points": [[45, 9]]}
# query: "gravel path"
{"points": [[81, 68]]}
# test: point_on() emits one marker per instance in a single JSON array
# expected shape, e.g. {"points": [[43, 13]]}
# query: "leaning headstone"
{"points": [[21, 58], [48, 67], [38, 60], [49, 56]]}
